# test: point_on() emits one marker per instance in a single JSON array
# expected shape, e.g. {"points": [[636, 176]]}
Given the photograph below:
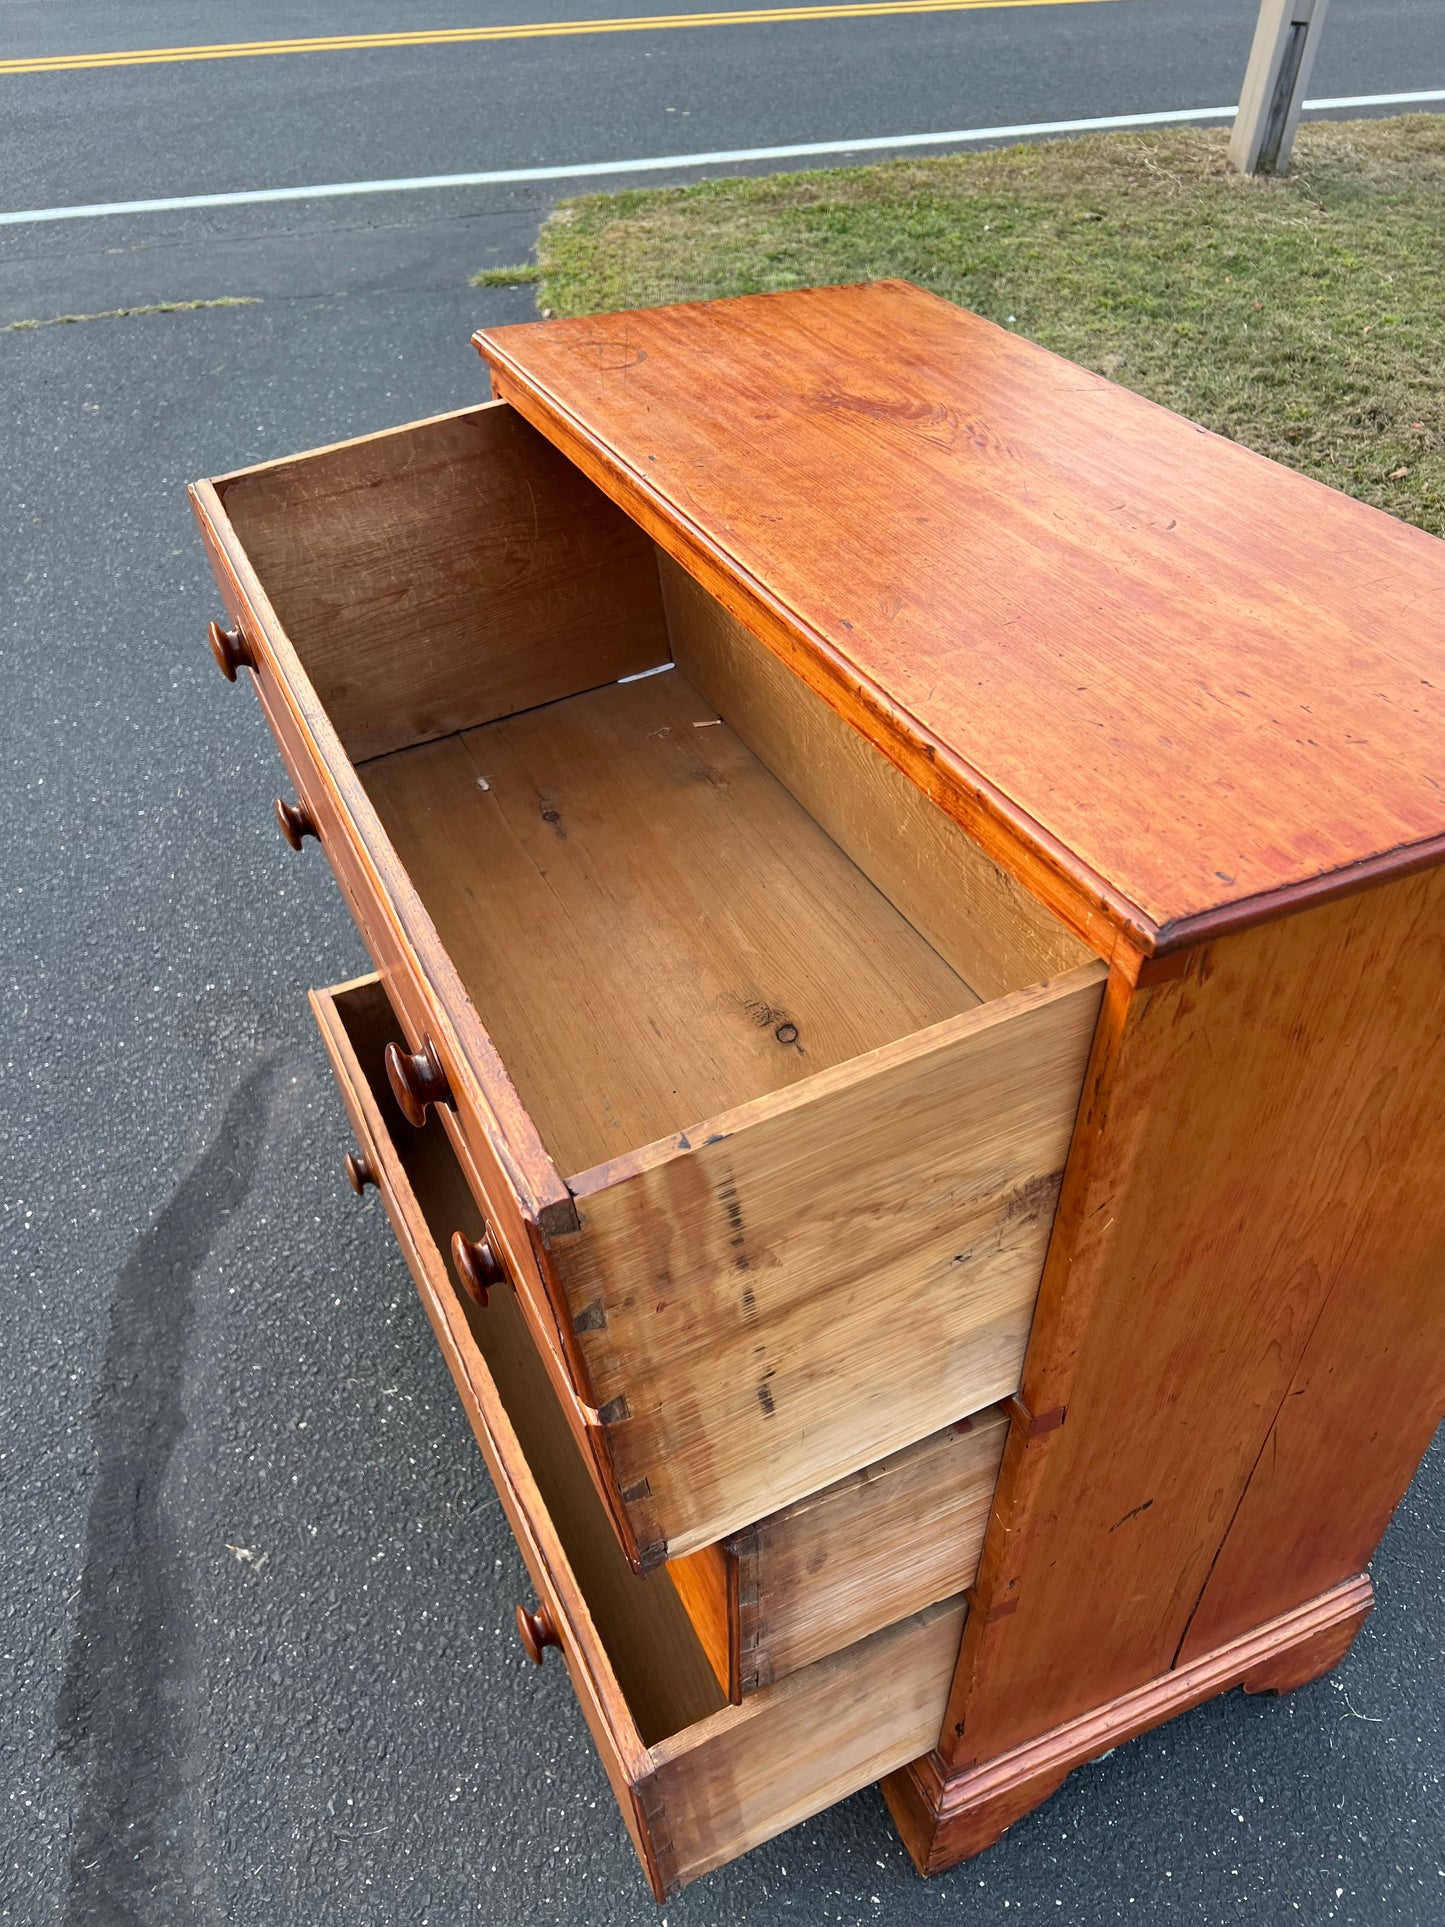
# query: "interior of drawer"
{"points": [[652, 929], [671, 879], [660, 1664]]}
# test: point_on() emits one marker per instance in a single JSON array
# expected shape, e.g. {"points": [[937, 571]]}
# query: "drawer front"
{"points": [[413, 998], [311, 793], [524, 1200], [698, 1782]]}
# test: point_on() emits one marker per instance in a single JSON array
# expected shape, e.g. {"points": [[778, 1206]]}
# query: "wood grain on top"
{"points": [[1172, 684]]}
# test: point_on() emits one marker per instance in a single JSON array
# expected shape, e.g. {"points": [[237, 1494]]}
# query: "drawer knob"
{"points": [[477, 1266], [295, 822], [537, 1632], [231, 650], [358, 1171], [416, 1079]]}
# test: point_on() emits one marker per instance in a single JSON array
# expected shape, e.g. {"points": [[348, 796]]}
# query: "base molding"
{"points": [[946, 1817]]}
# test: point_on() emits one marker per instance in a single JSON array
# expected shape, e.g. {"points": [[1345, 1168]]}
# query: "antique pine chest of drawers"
{"points": [[907, 1050]]}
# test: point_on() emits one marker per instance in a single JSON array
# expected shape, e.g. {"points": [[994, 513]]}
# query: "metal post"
{"points": [[1285, 41]]}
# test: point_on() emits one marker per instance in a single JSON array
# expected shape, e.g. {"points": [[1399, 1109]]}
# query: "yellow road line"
{"points": [[529, 30]]}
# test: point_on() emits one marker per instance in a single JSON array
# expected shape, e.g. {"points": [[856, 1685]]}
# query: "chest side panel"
{"points": [[1254, 1178]]}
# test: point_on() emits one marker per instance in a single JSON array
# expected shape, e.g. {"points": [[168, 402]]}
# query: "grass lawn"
{"points": [[1303, 316]]}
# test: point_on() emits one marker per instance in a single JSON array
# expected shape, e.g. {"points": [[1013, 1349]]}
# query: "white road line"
{"points": [[665, 163], [1377, 100]]}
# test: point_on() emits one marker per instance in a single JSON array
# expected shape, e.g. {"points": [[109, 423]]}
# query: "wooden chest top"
{"points": [[1174, 684]]}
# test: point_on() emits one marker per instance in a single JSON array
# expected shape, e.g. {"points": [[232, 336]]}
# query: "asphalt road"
{"points": [[144, 132], [255, 1591]]}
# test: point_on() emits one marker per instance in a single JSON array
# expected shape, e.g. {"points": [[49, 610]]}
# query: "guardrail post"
{"points": [[1285, 40]]}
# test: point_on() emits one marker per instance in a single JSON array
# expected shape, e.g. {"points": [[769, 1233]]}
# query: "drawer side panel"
{"points": [[885, 1542], [829, 1275], [994, 934], [753, 1771]]}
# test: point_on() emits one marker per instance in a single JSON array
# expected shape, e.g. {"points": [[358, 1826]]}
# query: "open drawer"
{"points": [[763, 1076], [698, 1782]]}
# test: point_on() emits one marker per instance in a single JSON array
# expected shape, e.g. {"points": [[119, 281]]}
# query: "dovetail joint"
{"points": [[1034, 1424], [994, 1609]]}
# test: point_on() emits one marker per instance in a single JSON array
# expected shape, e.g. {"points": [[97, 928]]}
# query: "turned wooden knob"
{"points": [[295, 822], [231, 650], [358, 1171], [537, 1632], [416, 1079], [477, 1266]]}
